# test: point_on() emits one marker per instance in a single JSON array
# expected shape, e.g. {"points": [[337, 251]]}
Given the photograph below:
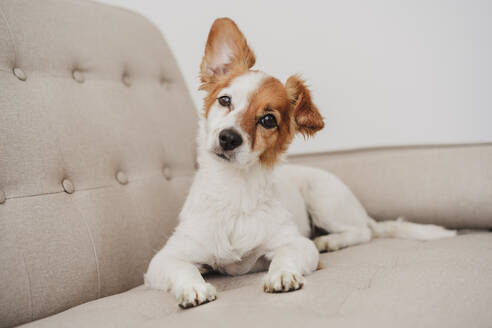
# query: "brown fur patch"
{"points": [[306, 116], [211, 97], [320, 266], [270, 98]]}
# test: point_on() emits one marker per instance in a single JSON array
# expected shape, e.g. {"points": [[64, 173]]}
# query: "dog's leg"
{"points": [[168, 271], [335, 241], [333, 207], [288, 265]]}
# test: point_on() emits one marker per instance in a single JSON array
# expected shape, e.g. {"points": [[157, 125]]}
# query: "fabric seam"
{"points": [[94, 250]]}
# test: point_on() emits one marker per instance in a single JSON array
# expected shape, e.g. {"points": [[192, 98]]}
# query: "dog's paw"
{"points": [[327, 243], [283, 281], [197, 294]]}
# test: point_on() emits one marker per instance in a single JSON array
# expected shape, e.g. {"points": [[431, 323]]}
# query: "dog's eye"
{"points": [[224, 101], [268, 121]]}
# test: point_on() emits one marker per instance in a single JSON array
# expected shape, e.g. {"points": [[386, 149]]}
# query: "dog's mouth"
{"points": [[223, 156]]}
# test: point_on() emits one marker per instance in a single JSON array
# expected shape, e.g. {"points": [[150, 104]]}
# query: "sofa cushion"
{"points": [[385, 283], [97, 151]]}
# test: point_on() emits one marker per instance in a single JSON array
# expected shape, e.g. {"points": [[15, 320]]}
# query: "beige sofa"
{"points": [[97, 134]]}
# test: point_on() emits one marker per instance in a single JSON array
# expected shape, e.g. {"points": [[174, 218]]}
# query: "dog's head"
{"points": [[249, 116]]}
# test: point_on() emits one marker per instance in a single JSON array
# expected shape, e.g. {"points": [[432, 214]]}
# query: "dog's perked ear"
{"points": [[306, 116], [226, 52]]}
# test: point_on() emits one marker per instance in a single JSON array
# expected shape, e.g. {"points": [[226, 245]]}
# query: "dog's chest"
{"points": [[239, 241], [237, 217], [238, 236]]}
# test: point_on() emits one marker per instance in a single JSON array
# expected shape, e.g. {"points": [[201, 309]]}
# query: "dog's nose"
{"points": [[230, 139]]}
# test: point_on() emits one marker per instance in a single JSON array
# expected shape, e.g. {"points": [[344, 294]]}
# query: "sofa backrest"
{"points": [[97, 152]]}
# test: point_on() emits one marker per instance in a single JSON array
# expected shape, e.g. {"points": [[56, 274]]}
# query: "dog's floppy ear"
{"points": [[226, 52], [306, 116]]}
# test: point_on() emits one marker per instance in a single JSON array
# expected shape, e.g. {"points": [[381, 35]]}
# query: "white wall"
{"points": [[382, 72]]}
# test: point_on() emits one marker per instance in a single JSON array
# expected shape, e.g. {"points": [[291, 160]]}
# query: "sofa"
{"points": [[97, 152]]}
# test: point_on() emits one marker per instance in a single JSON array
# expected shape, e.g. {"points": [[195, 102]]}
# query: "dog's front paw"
{"points": [[197, 294], [282, 281]]}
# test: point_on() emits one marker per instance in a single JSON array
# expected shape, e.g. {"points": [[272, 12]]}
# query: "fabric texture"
{"points": [[97, 152], [385, 283]]}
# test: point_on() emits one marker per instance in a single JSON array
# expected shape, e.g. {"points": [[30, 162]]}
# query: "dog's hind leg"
{"points": [[332, 207], [335, 241]]}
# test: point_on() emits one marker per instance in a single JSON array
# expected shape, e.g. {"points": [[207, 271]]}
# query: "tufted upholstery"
{"points": [[92, 175]]}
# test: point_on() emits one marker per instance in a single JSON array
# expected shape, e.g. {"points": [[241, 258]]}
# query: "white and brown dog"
{"points": [[245, 211]]}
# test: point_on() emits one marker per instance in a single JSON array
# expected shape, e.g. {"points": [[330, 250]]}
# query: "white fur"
{"points": [[241, 217]]}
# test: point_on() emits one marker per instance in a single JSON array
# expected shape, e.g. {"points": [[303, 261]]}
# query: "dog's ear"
{"points": [[226, 52], [306, 116]]}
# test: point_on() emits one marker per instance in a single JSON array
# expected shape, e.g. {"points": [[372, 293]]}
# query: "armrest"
{"points": [[448, 185]]}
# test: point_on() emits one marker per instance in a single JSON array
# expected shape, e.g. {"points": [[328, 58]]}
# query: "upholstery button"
{"points": [[164, 80], [20, 74], [68, 186], [126, 80], [166, 172], [78, 76], [3, 198], [165, 83], [121, 177]]}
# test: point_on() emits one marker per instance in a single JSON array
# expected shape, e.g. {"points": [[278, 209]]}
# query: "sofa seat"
{"points": [[385, 283]]}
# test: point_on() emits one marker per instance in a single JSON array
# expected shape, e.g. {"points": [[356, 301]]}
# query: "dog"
{"points": [[246, 210]]}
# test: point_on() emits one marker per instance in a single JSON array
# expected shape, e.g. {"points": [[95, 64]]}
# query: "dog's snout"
{"points": [[230, 139]]}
